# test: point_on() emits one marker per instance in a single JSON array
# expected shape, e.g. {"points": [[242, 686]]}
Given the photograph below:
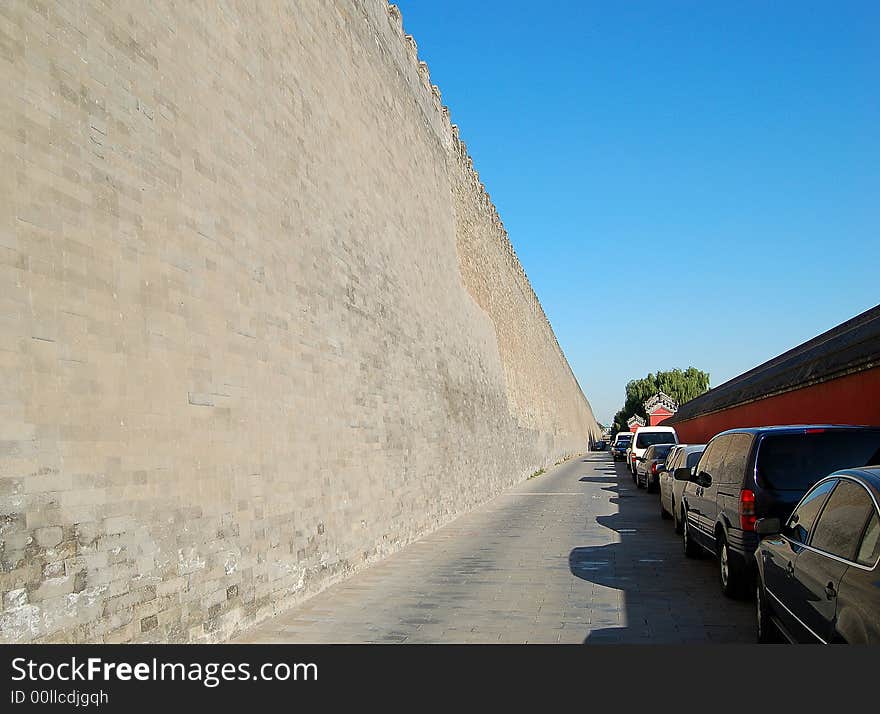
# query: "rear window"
{"points": [[693, 458], [869, 550], [650, 438], [624, 439], [797, 461], [661, 451]]}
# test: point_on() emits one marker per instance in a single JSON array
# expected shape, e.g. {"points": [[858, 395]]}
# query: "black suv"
{"points": [[746, 474]]}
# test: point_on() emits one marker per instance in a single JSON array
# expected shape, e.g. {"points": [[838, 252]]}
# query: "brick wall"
{"points": [[259, 322]]}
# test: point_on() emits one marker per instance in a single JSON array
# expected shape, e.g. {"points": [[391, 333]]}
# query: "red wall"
{"points": [[853, 399], [658, 416]]}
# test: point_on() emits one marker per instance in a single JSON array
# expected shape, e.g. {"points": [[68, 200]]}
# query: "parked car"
{"points": [[620, 445], [649, 436], [747, 474], [647, 466], [817, 573], [682, 456], [599, 445]]}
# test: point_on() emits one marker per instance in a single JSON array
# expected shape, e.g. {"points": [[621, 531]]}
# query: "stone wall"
{"points": [[259, 322]]}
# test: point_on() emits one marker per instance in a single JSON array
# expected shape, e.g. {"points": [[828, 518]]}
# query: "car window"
{"points": [[661, 451], [796, 461], [839, 528], [645, 439], [713, 455], [733, 462], [693, 458], [801, 520], [869, 550], [649, 452], [679, 461]]}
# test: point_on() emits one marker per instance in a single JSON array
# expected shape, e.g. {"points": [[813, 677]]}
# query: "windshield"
{"points": [[797, 461], [643, 441]]}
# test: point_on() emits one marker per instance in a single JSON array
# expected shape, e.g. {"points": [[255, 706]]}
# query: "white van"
{"points": [[648, 436]]}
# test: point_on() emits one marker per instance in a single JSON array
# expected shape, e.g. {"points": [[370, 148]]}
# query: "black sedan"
{"points": [[818, 579], [619, 446]]}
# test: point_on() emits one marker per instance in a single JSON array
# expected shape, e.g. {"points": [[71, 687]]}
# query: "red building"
{"points": [[833, 378], [659, 407], [634, 422]]}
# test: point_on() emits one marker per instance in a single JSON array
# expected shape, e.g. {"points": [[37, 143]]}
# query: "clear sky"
{"points": [[715, 163]]}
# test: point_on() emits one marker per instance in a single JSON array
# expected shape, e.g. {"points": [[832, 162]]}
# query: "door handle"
{"points": [[830, 591], [790, 569]]}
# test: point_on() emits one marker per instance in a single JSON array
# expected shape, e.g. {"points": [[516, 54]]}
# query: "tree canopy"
{"points": [[681, 385]]}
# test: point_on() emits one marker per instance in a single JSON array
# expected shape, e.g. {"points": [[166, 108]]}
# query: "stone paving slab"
{"points": [[577, 555]]}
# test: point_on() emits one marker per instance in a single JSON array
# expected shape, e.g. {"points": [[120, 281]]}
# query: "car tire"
{"points": [[638, 480], [730, 575], [691, 549], [766, 631]]}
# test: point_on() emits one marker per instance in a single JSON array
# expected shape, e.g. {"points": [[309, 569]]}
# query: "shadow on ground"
{"points": [[666, 598]]}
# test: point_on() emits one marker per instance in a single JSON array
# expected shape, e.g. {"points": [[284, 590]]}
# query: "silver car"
{"points": [[681, 456]]}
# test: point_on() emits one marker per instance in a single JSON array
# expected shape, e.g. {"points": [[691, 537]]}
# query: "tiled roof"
{"points": [[852, 346]]}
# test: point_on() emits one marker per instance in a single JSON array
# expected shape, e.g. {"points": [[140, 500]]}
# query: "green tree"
{"points": [[681, 385]]}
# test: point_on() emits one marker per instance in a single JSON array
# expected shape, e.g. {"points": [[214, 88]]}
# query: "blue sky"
{"points": [[718, 163]]}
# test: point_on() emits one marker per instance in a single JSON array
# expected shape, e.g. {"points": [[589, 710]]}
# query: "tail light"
{"points": [[747, 515], [655, 467]]}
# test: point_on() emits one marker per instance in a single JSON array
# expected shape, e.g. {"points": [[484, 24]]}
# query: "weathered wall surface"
{"points": [[259, 323]]}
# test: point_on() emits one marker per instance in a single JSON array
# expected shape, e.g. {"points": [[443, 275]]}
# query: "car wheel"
{"points": [[729, 574], [691, 549], [638, 480], [765, 629]]}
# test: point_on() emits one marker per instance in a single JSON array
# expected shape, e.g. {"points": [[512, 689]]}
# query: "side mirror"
{"points": [[682, 474], [768, 526], [703, 479]]}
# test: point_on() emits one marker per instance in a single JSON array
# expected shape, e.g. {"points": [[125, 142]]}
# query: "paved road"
{"points": [[577, 555]]}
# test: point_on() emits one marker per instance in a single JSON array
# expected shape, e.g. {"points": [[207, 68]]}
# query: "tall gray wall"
{"points": [[259, 322]]}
